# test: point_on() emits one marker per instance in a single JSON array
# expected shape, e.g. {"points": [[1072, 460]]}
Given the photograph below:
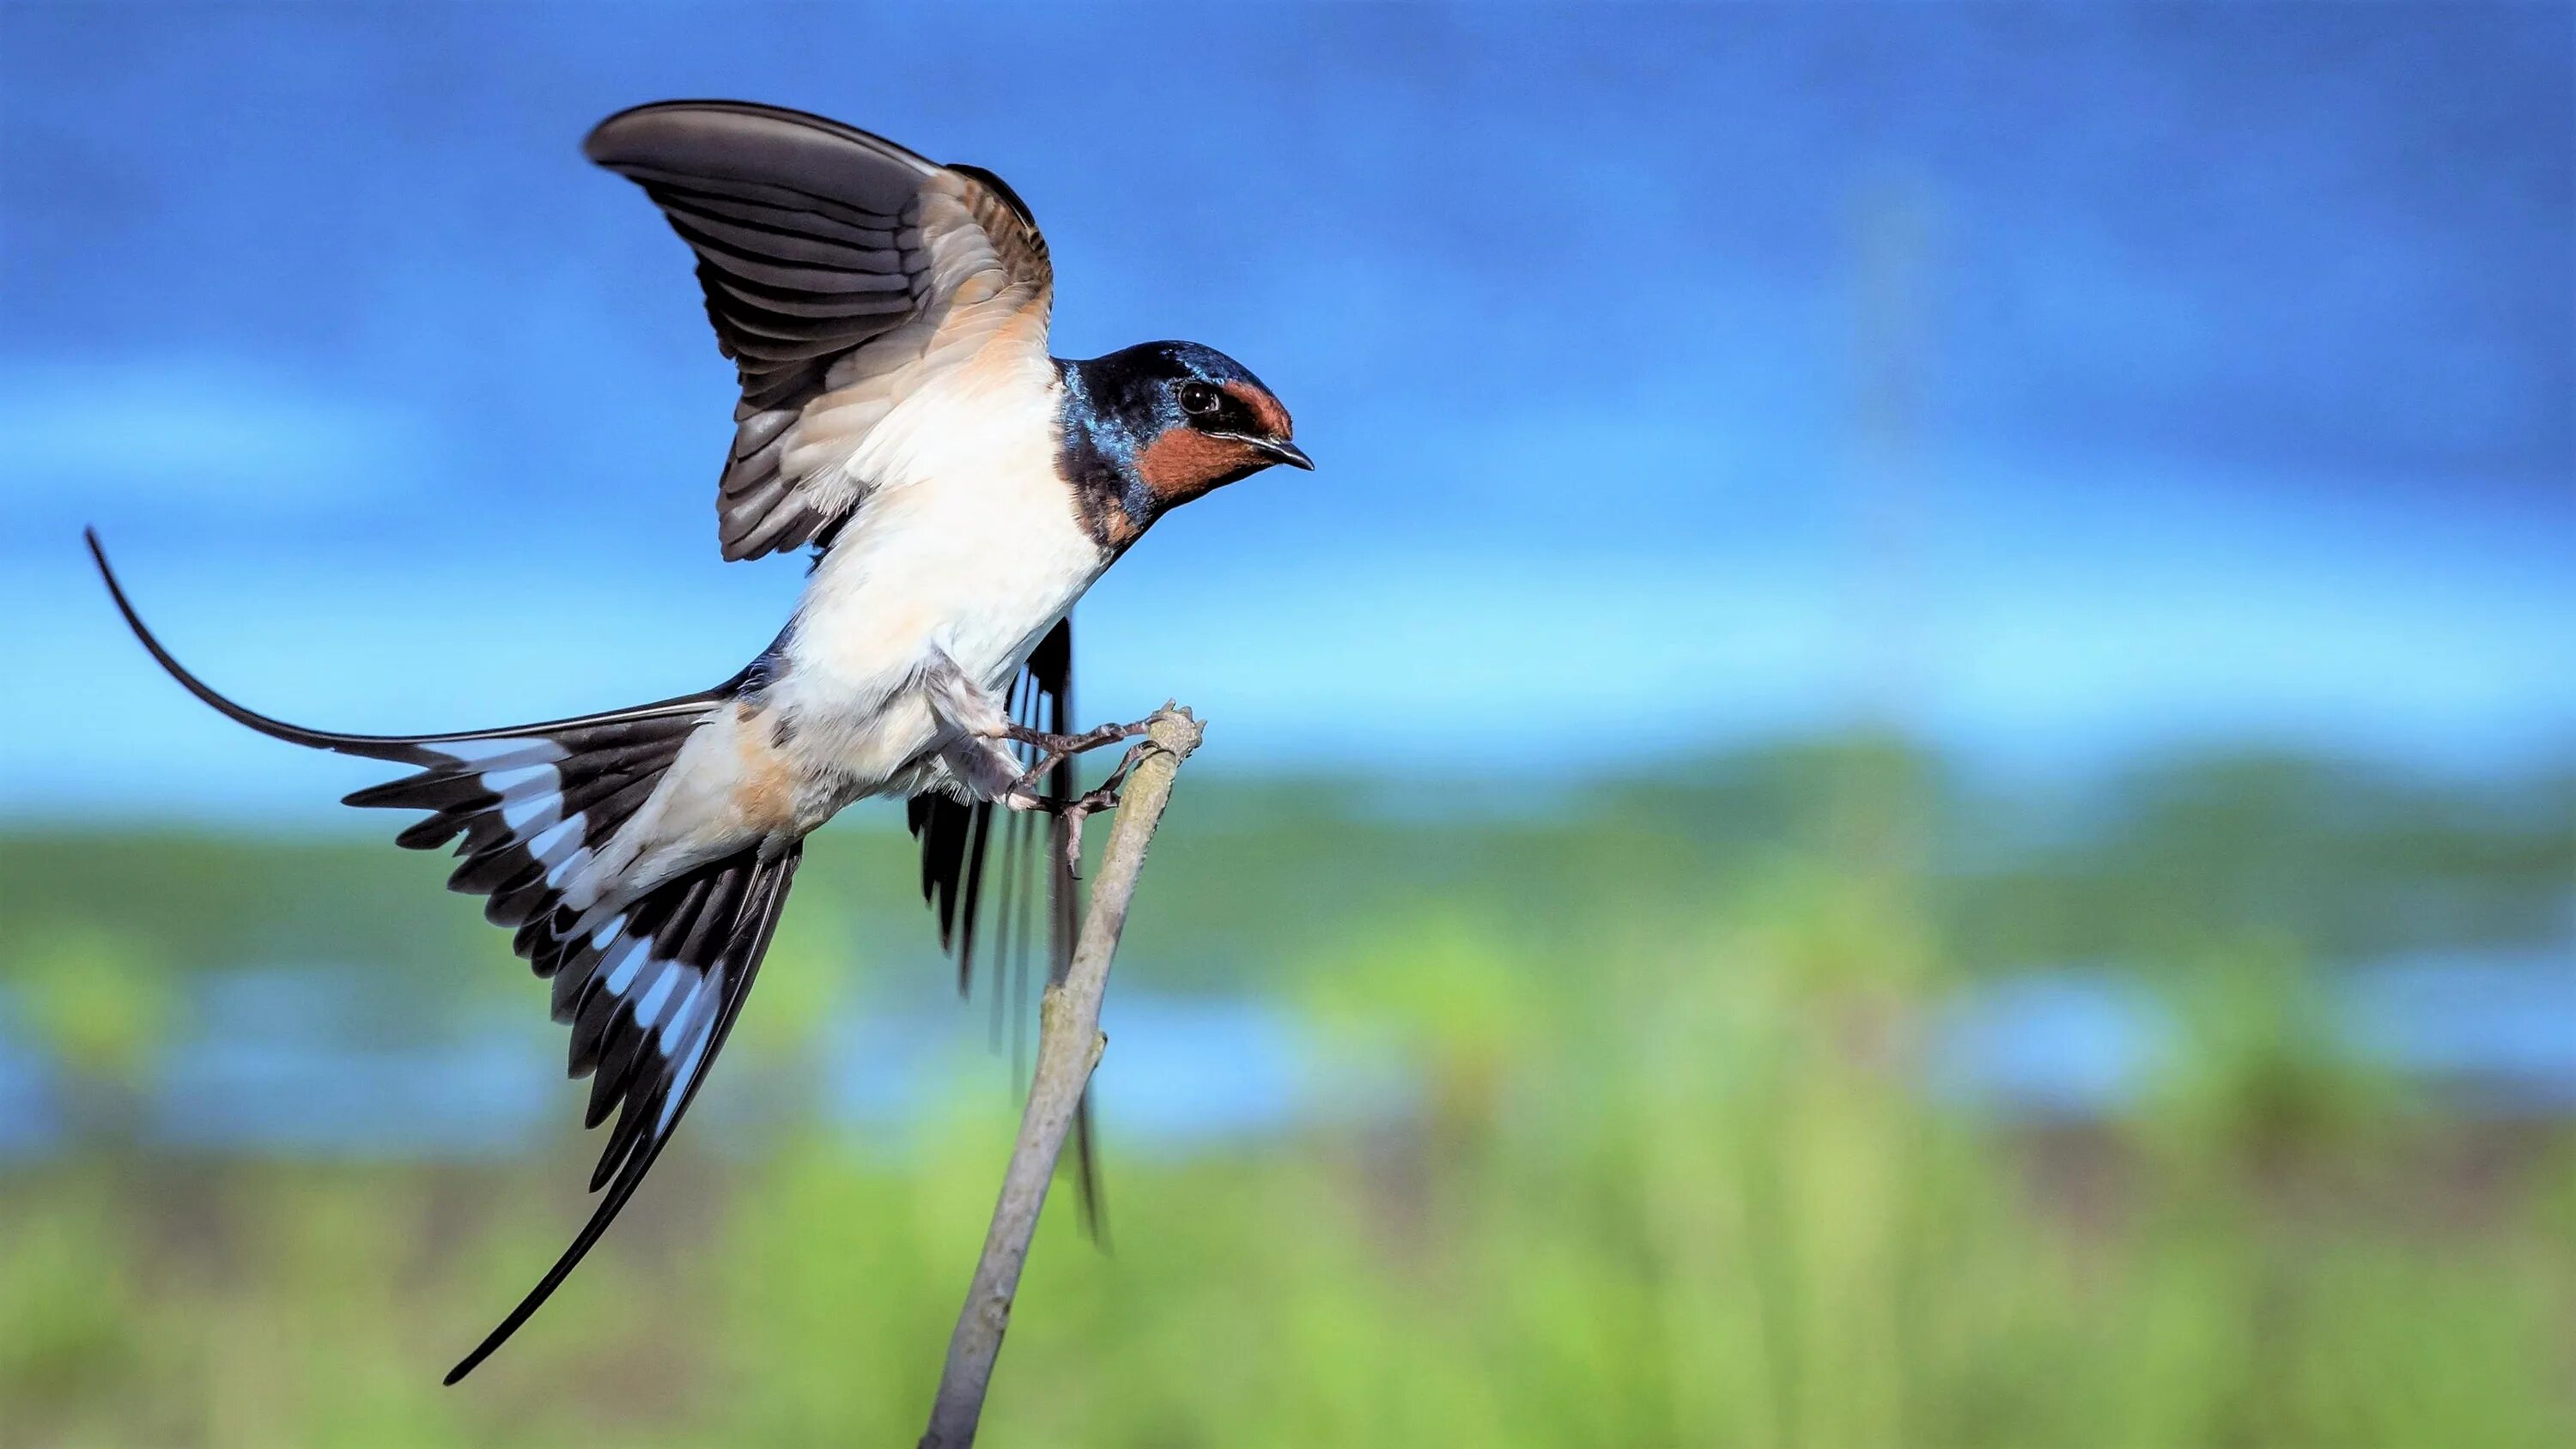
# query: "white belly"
{"points": [[968, 546], [976, 561]]}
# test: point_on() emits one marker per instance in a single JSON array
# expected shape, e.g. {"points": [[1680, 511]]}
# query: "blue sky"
{"points": [[2061, 381]]}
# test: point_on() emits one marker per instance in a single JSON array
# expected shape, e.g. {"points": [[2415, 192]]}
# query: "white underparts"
{"points": [[965, 548]]}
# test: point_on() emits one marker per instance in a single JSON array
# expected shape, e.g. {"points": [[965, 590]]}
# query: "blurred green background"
{"points": [[1690, 1108]]}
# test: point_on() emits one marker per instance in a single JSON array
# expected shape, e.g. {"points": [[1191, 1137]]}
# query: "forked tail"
{"points": [[651, 992]]}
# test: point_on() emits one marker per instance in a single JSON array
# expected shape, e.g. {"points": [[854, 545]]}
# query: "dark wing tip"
{"points": [[748, 141], [617, 139]]}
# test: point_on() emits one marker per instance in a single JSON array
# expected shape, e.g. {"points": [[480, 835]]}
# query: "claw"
{"points": [[1074, 813], [1083, 806]]}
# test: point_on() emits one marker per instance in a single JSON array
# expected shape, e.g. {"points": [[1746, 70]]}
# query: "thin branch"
{"points": [[1069, 1046]]}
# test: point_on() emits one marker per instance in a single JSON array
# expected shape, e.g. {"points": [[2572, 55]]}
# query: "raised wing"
{"points": [[957, 841], [842, 273]]}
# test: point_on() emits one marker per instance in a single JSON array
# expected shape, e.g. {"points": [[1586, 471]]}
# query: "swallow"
{"points": [[960, 488]]}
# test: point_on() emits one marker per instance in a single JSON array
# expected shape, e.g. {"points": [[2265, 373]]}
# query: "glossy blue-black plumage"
{"points": [[1117, 405]]}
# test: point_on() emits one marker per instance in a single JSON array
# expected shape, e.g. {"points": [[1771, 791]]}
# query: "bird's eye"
{"points": [[1198, 399]]}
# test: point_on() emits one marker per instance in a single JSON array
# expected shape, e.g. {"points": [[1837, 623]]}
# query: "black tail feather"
{"points": [[719, 920], [650, 994], [408, 749]]}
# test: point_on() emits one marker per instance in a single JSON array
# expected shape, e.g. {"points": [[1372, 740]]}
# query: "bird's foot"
{"points": [[1054, 749], [1083, 806]]}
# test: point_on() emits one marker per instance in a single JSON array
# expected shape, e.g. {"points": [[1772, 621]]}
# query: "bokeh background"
{"points": [[1910, 777]]}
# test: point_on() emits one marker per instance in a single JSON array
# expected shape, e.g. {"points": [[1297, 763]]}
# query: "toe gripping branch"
{"points": [[1053, 749]]}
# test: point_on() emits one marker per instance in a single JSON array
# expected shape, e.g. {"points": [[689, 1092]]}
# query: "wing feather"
{"points": [[838, 269]]}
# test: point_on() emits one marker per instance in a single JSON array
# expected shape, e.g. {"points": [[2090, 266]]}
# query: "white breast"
{"points": [[969, 545]]}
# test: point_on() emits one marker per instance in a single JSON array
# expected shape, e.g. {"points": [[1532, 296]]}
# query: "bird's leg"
{"points": [[975, 755], [976, 758]]}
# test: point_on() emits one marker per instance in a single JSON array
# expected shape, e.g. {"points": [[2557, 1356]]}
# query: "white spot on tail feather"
{"points": [[629, 961], [663, 985], [682, 1013], [679, 1088], [556, 841], [570, 865], [501, 753], [517, 782], [534, 803]]}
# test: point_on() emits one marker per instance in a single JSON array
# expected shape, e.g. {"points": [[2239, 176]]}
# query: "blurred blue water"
{"points": [[316, 1062], [284, 1063], [2069, 1045], [2060, 380], [2489, 1033], [2501, 1029]]}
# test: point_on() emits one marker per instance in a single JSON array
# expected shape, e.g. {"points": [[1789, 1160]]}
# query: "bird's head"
{"points": [[1179, 421]]}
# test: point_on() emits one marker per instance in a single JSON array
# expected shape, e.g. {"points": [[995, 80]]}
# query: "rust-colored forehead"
{"points": [[1265, 408]]}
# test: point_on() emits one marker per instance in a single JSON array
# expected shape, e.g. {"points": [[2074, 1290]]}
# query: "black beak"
{"points": [[1280, 450]]}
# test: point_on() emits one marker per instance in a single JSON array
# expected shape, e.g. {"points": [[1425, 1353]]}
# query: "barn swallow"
{"points": [[961, 488]]}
